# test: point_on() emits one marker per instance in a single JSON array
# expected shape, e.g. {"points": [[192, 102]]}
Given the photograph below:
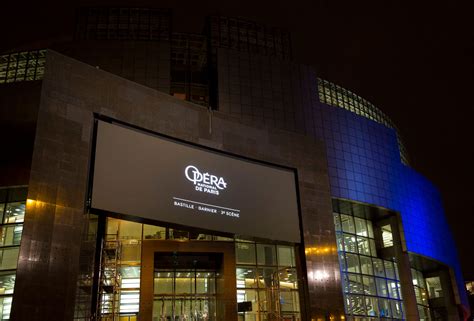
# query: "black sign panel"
{"points": [[245, 306], [145, 175]]}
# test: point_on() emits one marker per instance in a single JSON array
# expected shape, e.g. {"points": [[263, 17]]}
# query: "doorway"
{"points": [[184, 286], [193, 281]]}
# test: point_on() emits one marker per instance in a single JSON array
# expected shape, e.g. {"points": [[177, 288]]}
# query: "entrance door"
{"points": [[192, 281], [184, 286], [183, 294]]}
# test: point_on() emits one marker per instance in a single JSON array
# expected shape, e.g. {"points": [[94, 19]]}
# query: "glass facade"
{"points": [[265, 276], [371, 285], [22, 66], [12, 209], [248, 36], [123, 24], [421, 293], [334, 95]]}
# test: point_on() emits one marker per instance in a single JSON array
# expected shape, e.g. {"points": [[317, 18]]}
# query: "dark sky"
{"points": [[412, 59]]}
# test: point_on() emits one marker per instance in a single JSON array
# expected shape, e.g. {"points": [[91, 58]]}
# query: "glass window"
{"points": [[342, 261], [246, 277], [288, 279], [369, 285], [356, 304], [347, 223], [352, 263], [9, 258], [370, 229], [392, 289], [389, 269], [164, 283], [7, 282], [381, 287], [434, 287], [339, 241], [10, 235], [289, 301], [384, 306], [387, 237], [397, 309], [14, 213], [373, 249], [266, 254], [363, 245], [337, 222], [245, 253], [355, 284], [267, 277], [372, 305], [350, 243], [361, 227], [5, 307], [378, 267], [366, 265], [151, 232], [130, 251], [286, 256]]}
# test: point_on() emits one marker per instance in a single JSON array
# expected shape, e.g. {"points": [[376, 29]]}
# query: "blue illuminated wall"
{"points": [[364, 165]]}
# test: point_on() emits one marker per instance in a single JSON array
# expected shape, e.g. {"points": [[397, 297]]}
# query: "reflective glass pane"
{"points": [[9, 258], [363, 245], [352, 263], [339, 241], [289, 301], [14, 213], [366, 265], [288, 279], [389, 269], [337, 222], [372, 306], [361, 227], [392, 289], [130, 230], [397, 309], [245, 253], [357, 304], [378, 267], [267, 277], [355, 284], [151, 232], [387, 237], [163, 283], [347, 223], [350, 243], [434, 287], [384, 307], [381, 287], [246, 277], [5, 307], [10, 235], [369, 285], [373, 249], [266, 254], [342, 262], [7, 282], [370, 230], [286, 256]]}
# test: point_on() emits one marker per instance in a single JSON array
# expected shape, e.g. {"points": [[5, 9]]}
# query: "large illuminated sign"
{"points": [[204, 182], [148, 176]]}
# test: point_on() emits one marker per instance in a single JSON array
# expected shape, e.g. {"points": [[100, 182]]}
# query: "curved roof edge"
{"points": [[337, 96]]}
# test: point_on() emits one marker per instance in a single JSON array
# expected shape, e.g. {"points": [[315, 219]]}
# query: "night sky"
{"points": [[412, 59]]}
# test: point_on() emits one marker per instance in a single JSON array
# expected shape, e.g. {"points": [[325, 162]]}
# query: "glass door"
{"points": [[184, 294]]}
